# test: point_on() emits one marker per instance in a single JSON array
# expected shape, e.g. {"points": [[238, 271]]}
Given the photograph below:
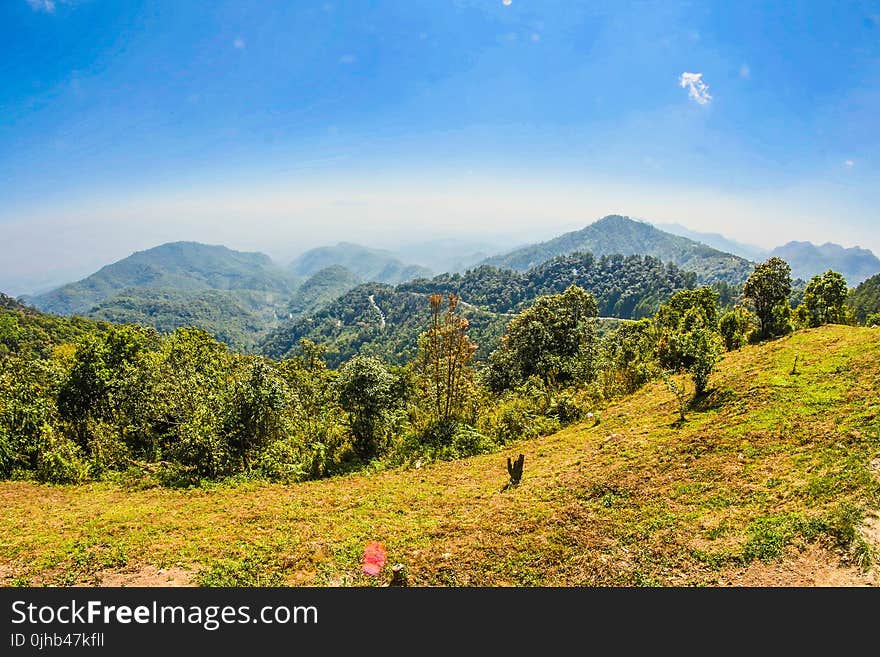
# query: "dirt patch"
{"points": [[812, 566], [148, 576]]}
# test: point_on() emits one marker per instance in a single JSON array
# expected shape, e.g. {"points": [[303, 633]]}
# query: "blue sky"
{"points": [[281, 125]]}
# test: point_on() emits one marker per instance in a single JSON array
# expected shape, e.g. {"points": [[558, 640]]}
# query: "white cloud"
{"points": [[506, 3], [238, 43], [42, 5], [745, 72], [347, 59], [697, 89], [849, 164]]}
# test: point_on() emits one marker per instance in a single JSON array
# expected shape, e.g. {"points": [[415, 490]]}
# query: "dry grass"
{"points": [[772, 471]]}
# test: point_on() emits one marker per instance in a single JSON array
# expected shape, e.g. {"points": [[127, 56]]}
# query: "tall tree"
{"points": [[769, 288], [825, 300], [554, 339], [445, 362], [688, 338], [367, 393]]}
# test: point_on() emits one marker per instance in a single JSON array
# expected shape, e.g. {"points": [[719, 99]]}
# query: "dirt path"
{"points": [[378, 310]]}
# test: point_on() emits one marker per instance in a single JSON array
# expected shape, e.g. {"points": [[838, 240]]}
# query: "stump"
{"points": [[398, 575], [515, 470]]}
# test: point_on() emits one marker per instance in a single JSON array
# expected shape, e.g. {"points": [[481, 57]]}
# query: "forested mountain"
{"points": [[807, 260], [384, 320], [865, 299], [179, 266], [238, 318], [323, 287], [30, 333], [367, 264], [616, 234], [718, 241], [376, 319]]}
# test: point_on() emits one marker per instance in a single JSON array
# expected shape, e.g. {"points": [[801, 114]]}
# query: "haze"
{"points": [[278, 127]]}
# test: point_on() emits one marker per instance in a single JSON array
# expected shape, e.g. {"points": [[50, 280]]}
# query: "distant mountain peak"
{"points": [[620, 234], [366, 263], [808, 259], [181, 266]]}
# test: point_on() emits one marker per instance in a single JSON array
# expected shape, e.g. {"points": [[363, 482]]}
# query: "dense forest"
{"points": [[865, 301], [385, 321], [616, 234], [84, 400]]}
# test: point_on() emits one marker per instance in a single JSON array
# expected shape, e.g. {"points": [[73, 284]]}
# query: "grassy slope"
{"points": [[773, 463]]}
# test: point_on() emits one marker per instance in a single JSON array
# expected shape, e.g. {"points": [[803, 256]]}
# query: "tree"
{"points": [[554, 339], [366, 392], [688, 338], [254, 415], [104, 395], [825, 300], [769, 288], [628, 357], [444, 364], [735, 326]]}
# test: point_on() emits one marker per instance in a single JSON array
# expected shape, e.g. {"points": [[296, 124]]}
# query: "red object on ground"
{"points": [[374, 558]]}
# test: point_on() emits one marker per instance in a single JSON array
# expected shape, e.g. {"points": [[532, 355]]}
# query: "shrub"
{"points": [[58, 461], [735, 327]]}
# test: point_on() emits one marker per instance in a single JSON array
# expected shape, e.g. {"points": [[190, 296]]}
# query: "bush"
{"points": [[566, 408], [735, 327], [58, 461], [517, 418]]}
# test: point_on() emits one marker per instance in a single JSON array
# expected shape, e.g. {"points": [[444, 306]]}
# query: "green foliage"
{"points": [[615, 234], [769, 288], [323, 287], [182, 266], [59, 459], [628, 358], [366, 392], [444, 367], [632, 286], [735, 326], [824, 300], [688, 338], [254, 411], [31, 334], [864, 300], [554, 339], [515, 417]]}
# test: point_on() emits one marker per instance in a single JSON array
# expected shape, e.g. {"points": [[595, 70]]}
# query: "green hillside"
{"points": [[389, 325], [615, 234], [368, 264], [772, 480], [180, 266], [323, 287], [865, 299], [32, 334]]}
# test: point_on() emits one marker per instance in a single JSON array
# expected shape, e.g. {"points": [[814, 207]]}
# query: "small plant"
{"points": [[680, 393], [794, 367]]}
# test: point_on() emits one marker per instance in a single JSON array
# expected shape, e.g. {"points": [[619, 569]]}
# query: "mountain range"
{"points": [[806, 259], [618, 234], [252, 303], [365, 263]]}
